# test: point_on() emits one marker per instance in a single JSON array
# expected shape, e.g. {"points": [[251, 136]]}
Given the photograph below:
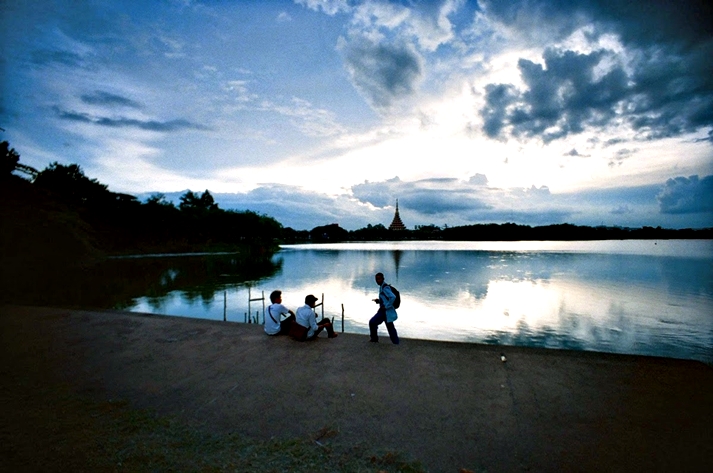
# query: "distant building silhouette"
{"points": [[396, 223]]}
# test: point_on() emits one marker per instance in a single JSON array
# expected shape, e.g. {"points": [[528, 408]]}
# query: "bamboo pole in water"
{"points": [[225, 306], [251, 299], [342, 318]]}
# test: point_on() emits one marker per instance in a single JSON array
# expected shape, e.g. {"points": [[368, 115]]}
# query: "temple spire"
{"points": [[396, 223]]}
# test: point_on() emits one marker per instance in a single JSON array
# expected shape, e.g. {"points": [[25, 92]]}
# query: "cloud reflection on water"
{"points": [[624, 301]]}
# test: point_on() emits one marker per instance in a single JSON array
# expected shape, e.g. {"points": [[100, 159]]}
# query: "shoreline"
{"points": [[569, 351], [450, 405]]}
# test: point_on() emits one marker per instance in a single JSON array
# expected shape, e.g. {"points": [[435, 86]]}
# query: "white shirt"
{"points": [[272, 327], [306, 318]]}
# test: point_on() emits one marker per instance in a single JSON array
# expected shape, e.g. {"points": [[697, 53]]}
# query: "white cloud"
{"points": [[330, 7], [283, 17], [310, 120], [128, 165]]}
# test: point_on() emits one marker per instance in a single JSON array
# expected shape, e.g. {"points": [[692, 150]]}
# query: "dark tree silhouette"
{"points": [[192, 203], [328, 233], [10, 162], [69, 184], [159, 200]]}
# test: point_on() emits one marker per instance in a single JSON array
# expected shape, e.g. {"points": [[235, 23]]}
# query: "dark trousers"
{"points": [[374, 327], [321, 325], [285, 325]]}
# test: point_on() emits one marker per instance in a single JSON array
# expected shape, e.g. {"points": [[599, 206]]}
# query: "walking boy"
{"points": [[386, 312]]}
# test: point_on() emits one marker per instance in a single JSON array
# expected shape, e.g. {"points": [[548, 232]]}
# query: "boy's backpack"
{"points": [[397, 302]]}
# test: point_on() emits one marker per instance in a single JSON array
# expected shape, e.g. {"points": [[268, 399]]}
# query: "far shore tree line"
{"points": [[60, 209]]}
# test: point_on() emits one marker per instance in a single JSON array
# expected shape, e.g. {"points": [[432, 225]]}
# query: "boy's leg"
{"points": [[285, 325], [330, 328], [316, 332], [374, 323], [393, 335]]}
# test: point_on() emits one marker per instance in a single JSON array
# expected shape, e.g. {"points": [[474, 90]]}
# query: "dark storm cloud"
{"points": [[683, 195], [383, 73], [149, 125], [682, 22], [666, 91], [498, 98], [561, 98], [105, 98]]}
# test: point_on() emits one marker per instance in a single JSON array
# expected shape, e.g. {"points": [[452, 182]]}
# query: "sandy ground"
{"points": [[449, 405]]}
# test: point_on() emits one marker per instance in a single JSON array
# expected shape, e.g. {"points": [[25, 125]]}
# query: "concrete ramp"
{"points": [[449, 405]]}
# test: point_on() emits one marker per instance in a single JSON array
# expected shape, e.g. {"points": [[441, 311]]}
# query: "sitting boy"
{"points": [[273, 312], [307, 322]]}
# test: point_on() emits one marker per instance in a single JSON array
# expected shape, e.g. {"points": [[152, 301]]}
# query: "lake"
{"points": [[631, 296]]}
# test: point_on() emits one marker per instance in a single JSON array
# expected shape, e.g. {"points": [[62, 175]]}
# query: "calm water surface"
{"points": [[637, 297]]}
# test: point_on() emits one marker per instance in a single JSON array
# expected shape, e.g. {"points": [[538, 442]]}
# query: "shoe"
{"points": [[373, 341], [334, 335]]}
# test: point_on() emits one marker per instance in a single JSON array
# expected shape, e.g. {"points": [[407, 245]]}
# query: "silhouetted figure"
{"points": [[386, 312]]}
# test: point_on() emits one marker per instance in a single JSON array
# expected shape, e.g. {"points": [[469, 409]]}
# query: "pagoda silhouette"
{"points": [[396, 223]]}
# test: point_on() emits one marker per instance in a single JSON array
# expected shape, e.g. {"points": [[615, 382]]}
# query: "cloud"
{"points": [[652, 73], [330, 7], [426, 196], [683, 195], [639, 23], [304, 116], [105, 98], [382, 73], [65, 58], [427, 22], [283, 17], [621, 210], [149, 125], [620, 156], [478, 180], [466, 202], [449, 200], [560, 98], [498, 98], [382, 50], [239, 91], [574, 153]]}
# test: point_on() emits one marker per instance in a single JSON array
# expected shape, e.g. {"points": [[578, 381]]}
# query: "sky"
{"points": [[589, 112]]}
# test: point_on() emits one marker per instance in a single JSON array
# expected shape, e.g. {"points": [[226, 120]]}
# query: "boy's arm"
{"points": [[313, 321]]}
